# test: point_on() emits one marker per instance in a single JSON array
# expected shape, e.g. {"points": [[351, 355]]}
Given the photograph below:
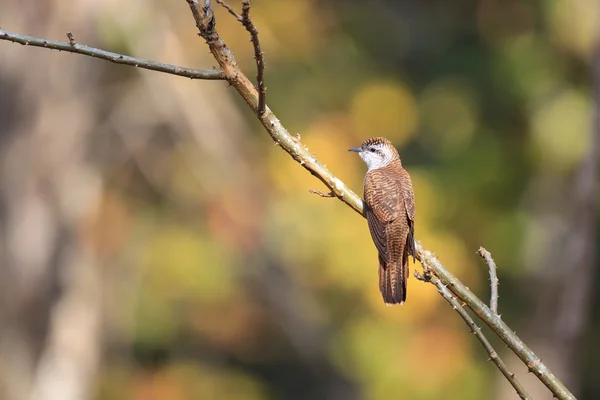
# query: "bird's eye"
{"points": [[371, 149]]}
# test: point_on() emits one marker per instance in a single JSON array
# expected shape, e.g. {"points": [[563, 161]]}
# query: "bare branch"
{"points": [[483, 253], [319, 193], [258, 55], [230, 10], [73, 47], [533, 362], [295, 148], [494, 357]]}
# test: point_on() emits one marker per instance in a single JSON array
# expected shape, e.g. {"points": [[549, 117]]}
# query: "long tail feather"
{"points": [[392, 281]]}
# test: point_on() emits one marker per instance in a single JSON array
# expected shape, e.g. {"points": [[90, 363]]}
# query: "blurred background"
{"points": [[154, 244]]}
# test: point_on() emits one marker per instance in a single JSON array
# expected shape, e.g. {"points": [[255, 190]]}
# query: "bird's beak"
{"points": [[356, 149]]}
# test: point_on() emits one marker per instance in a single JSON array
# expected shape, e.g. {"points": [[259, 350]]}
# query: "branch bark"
{"points": [[531, 360], [494, 357], [73, 47]]}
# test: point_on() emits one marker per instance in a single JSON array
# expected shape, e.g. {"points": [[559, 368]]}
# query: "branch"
{"points": [[73, 47], [230, 10], [206, 25], [493, 278], [494, 357], [291, 144], [533, 362], [258, 55]]}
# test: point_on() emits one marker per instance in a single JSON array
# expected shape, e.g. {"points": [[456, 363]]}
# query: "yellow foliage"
{"points": [[429, 200], [421, 302], [329, 139], [561, 131], [452, 253], [442, 351], [181, 263], [275, 19], [385, 108], [367, 348], [389, 358], [574, 24], [350, 260]]}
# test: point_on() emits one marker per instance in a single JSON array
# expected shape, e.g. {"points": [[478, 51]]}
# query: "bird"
{"points": [[390, 211]]}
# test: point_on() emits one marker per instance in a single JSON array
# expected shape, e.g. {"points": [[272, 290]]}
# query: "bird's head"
{"points": [[377, 152]]}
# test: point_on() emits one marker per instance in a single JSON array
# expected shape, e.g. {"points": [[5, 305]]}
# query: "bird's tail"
{"points": [[392, 281]]}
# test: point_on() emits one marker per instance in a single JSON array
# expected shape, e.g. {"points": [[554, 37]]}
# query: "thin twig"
{"points": [[73, 47], [230, 10], [494, 357], [483, 253], [319, 193], [258, 55]]}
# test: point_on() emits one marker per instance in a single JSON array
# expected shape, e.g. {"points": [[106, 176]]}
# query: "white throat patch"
{"points": [[376, 157]]}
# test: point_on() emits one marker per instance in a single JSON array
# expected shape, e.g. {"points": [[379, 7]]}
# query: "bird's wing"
{"points": [[409, 204], [384, 203]]}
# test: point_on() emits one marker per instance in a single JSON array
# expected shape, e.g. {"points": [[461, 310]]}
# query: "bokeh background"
{"points": [[156, 245]]}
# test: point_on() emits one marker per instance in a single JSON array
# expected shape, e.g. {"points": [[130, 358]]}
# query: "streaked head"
{"points": [[377, 152]]}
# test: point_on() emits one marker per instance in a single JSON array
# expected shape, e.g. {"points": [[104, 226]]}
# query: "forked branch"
{"points": [[494, 357], [246, 21]]}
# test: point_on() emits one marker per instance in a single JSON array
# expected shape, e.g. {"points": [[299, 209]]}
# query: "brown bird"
{"points": [[390, 211]]}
